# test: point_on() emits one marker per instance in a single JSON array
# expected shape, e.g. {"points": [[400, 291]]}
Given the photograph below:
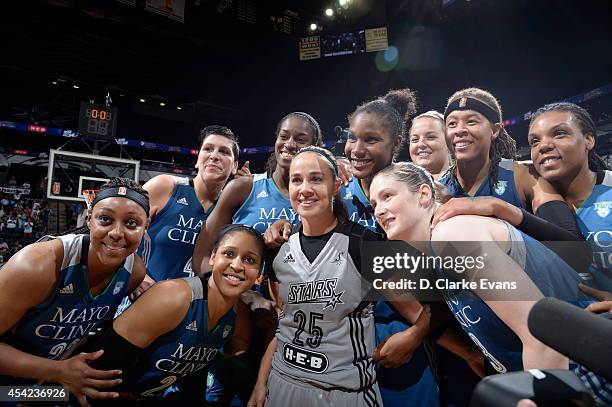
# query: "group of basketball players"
{"points": [[167, 294]]}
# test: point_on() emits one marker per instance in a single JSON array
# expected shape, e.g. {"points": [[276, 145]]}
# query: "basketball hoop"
{"points": [[89, 195]]}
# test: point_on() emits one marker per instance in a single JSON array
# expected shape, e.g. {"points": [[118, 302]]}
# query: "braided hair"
{"points": [[586, 124], [503, 146], [394, 110]]}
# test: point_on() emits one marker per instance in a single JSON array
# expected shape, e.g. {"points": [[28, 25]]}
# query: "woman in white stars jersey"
{"points": [[323, 350]]}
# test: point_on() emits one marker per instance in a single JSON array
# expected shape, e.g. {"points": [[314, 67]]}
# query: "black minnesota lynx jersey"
{"points": [[326, 332]]}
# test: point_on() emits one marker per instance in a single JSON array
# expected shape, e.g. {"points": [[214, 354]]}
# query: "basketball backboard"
{"points": [[70, 173]]}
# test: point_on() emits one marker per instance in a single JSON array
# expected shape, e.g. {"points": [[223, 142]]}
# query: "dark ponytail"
{"points": [[394, 111]]}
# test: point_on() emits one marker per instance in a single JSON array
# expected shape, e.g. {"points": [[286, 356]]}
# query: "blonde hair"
{"points": [[412, 175]]}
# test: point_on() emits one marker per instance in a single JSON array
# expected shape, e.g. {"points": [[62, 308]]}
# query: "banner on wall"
{"points": [[174, 9], [310, 48], [376, 39]]}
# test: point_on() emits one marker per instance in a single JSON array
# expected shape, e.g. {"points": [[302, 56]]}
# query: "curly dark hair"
{"points": [[393, 110]]}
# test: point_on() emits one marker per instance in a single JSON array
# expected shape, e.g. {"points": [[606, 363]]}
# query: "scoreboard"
{"points": [[98, 121]]}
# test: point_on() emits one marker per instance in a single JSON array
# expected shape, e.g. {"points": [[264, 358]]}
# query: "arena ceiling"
{"points": [[223, 68]]}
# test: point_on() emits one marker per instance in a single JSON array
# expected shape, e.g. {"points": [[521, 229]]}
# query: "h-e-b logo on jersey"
{"points": [[316, 292]]}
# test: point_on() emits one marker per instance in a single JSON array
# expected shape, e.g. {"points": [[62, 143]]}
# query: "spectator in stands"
{"points": [[27, 229], [11, 224], [17, 246], [12, 182]]}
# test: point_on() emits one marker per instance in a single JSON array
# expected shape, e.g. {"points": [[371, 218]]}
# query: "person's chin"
{"points": [[111, 260], [214, 176], [232, 291], [363, 173], [551, 175], [310, 212], [423, 162], [466, 155]]}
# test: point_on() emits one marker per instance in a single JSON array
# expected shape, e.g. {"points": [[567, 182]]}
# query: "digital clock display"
{"points": [[97, 121]]}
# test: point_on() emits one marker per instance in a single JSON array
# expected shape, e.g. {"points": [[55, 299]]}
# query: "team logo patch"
{"points": [[69, 289], [289, 258], [305, 359], [339, 260], [227, 330], [118, 287], [122, 191], [316, 292], [462, 102], [603, 208], [500, 187]]}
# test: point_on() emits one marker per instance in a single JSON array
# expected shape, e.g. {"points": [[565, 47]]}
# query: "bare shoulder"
{"points": [[168, 296], [536, 189], [236, 192], [526, 178], [158, 311], [240, 185], [470, 228], [36, 263], [33, 270], [160, 183], [159, 188]]}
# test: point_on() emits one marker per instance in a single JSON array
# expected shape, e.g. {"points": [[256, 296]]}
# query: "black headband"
{"points": [[467, 103], [322, 153], [122, 192]]}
